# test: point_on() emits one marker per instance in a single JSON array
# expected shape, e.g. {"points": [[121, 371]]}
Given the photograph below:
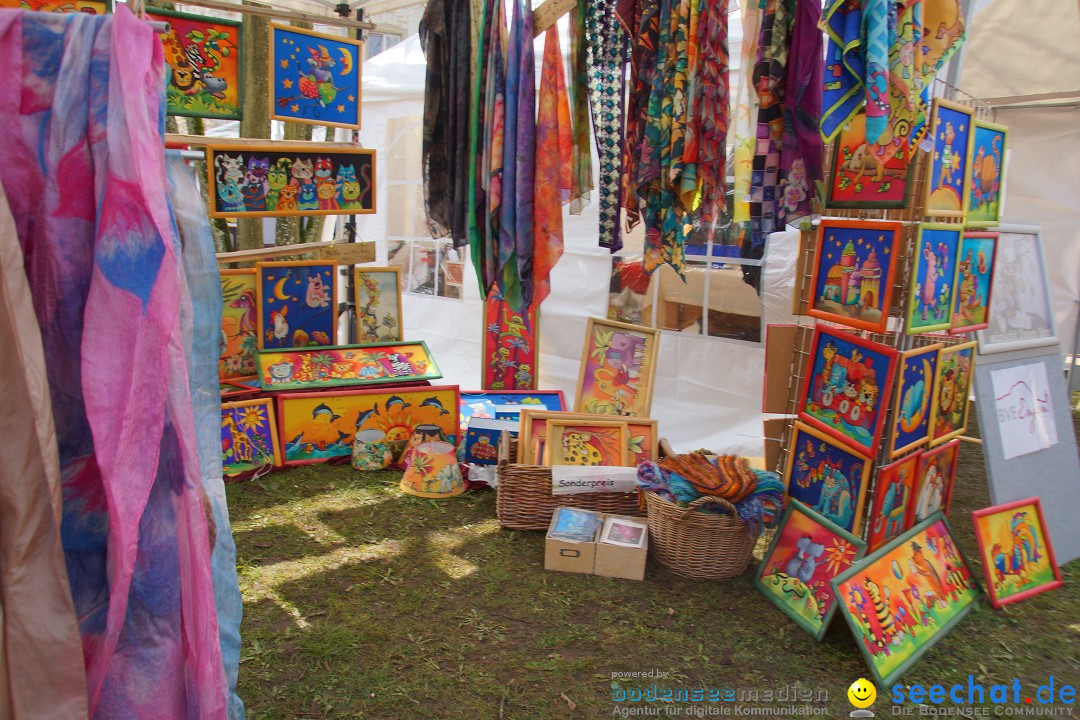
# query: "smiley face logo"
{"points": [[862, 693]]}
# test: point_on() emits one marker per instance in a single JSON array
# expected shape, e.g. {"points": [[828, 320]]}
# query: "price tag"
{"points": [[576, 479], [549, 13], [350, 253]]}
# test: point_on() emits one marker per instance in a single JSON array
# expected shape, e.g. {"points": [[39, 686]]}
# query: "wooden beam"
{"points": [[175, 140], [271, 252], [333, 20], [549, 13]]}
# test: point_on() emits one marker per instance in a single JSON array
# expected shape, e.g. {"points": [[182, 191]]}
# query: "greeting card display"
{"points": [[296, 304], [868, 175], [947, 186], [853, 272], [618, 364], [1016, 553], [239, 325], [974, 281], [934, 479], [987, 154], [827, 477], [843, 392], [952, 388], [796, 573], [315, 77], [914, 397], [893, 497], [933, 274], [203, 54]]}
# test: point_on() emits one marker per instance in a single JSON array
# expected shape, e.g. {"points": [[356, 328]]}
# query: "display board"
{"points": [[1029, 445]]}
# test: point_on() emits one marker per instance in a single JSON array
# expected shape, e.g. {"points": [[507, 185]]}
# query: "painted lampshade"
{"points": [[433, 472], [421, 434], [371, 451]]}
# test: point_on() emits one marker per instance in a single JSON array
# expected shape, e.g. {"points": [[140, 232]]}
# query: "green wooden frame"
{"points": [[266, 358]]}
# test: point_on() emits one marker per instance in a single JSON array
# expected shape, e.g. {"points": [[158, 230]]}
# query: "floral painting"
{"points": [[974, 281], [296, 302], [1017, 556], [946, 188], [933, 273], [618, 364], [952, 389], [249, 438], [315, 77], [239, 325], [987, 155], [827, 477], [510, 353], [853, 274], [914, 395], [893, 496], [378, 304], [344, 365], [203, 54]]}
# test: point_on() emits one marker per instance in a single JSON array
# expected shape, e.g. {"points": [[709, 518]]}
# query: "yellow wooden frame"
{"points": [[555, 429], [648, 364], [364, 270]]}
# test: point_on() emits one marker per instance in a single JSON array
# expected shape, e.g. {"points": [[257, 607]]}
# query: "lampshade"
{"points": [[433, 472], [371, 451], [421, 434]]}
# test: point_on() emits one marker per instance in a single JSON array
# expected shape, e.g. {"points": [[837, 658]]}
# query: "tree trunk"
{"points": [[288, 228], [256, 122]]}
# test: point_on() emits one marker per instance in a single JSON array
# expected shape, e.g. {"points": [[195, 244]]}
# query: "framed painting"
{"points": [[854, 272], [282, 180], [481, 440], [296, 304], [586, 442], [511, 351], [934, 480], [1018, 560], [952, 388], [933, 271], [914, 394], [806, 553], [482, 404], [842, 392], [315, 77], [643, 440], [343, 365], [378, 304], [904, 597], [315, 427], [827, 477], [237, 390], [868, 175], [249, 439], [203, 54], [90, 7], [947, 185], [239, 325], [987, 155], [892, 499], [1023, 314], [618, 364], [973, 281]]}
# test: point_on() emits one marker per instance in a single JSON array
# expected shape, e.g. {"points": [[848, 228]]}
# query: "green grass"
{"points": [[360, 602]]}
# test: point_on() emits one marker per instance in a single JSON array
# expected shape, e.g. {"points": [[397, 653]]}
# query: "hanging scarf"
{"points": [[491, 172], [605, 57], [746, 113], [943, 34], [876, 14], [82, 100], [802, 151], [842, 89], [477, 182], [525, 156], [554, 148], [638, 163], [711, 108], [581, 190]]}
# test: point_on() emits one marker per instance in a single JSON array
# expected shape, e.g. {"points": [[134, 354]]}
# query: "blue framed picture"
{"points": [[947, 186], [316, 77], [914, 392]]}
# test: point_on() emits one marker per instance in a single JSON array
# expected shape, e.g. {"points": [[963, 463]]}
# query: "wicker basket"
{"points": [[698, 545], [523, 499]]}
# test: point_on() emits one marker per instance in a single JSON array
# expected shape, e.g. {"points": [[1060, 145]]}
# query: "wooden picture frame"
{"points": [[399, 363], [618, 366], [248, 426], [974, 282], [952, 389], [894, 493], [369, 282], [907, 564], [606, 445], [842, 393], [289, 180], [1023, 316], [814, 461], [951, 125], [321, 93], [1013, 522], [811, 550], [909, 426], [985, 195], [933, 275], [860, 178], [854, 272], [942, 462], [643, 439], [321, 288], [239, 325]]}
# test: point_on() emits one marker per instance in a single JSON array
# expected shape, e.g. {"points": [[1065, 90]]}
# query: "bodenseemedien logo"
{"points": [[862, 695]]}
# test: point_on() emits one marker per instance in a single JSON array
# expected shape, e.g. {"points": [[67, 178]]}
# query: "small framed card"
{"points": [[574, 525], [623, 533]]}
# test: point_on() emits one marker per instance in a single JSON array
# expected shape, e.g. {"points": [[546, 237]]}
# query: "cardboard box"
{"points": [[596, 558]]}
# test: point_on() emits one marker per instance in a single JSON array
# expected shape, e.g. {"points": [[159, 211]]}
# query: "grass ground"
{"points": [[360, 602]]}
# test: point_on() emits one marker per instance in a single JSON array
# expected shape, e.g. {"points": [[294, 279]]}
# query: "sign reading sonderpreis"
{"points": [[577, 479]]}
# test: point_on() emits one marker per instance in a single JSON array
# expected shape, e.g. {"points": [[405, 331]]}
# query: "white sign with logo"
{"points": [[577, 479], [1025, 413]]}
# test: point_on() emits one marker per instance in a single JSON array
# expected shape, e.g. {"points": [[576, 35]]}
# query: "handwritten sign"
{"points": [[549, 13], [350, 253], [577, 479], [1025, 412]]}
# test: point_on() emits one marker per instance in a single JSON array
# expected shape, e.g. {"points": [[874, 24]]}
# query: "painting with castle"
{"points": [[853, 272]]}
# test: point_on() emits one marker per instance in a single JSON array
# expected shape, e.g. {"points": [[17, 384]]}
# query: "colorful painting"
{"points": [[378, 304], [946, 188], [296, 304], [618, 364], [643, 441], [914, 395], [239, 325], [893, 497], [827, 477], [987, 154], [481, 404], [316, 77], [356, 365], [845, 392], [868, 175], [281, 180], [318, 426], [203, 54], [249, 439], [807, 552], [952, 388], [974, 281], [904, 597], [90, 7], [510, 352], [1015, 549], [853, 275], [586, 442], [482, 440], [933, 271], [933, 485]]}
